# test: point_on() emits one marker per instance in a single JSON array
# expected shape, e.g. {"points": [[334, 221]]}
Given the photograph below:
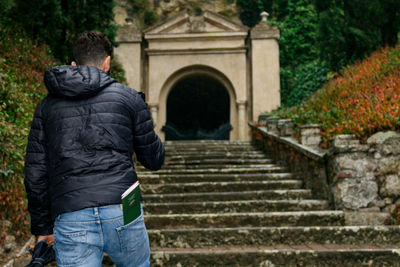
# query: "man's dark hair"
{"points": [[91, 48]]}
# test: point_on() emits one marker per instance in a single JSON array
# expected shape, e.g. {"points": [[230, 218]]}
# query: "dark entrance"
{"points": [[198, 108]]}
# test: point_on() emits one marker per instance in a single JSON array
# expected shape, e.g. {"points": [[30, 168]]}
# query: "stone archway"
{"points": [[213, 79], [245, 62], [198, 107]]}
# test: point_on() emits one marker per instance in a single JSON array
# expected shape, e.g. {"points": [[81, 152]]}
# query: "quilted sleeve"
{"points": [[147, 145], [36, 178]]}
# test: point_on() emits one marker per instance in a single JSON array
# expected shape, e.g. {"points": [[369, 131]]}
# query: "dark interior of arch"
{"points": [[198, 108]]}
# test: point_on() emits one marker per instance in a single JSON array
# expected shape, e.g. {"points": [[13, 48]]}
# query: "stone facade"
{"points": [[361, 179], [245, 61]]}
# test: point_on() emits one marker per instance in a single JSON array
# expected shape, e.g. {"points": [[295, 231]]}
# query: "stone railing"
{"points": [[361, 179]]}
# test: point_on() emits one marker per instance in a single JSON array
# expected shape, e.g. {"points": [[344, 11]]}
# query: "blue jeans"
{"points": [[81, 238]]}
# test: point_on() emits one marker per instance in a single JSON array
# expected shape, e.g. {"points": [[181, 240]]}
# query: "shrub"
{"points": [[22, 64], [307, 79], [363, 100]]}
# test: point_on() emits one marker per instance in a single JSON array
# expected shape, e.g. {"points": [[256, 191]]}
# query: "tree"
{"points": [[298, 41], [59, 22], [350, 30]]}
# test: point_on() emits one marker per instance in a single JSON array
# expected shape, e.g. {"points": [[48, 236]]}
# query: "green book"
{"points": [[131, 203]]}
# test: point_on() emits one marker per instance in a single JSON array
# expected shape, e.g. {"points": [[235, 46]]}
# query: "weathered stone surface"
{"points": [[219, 186], [245, 227], [391, 209], [388, 165], [269, 236], [9, 243], [355, 193], [285, 127], [391, 146], [306, 218], [272, 124], [193, 178], [347, 143], [310, 135], [382, 137], [262, 118], [235, 206], [359, 163], [378, 203], [390, 186], [368, 218], [344, 256], [227, 196]]}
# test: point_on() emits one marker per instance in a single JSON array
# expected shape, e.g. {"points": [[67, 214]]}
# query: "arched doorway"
{"points": [[198, 107]]}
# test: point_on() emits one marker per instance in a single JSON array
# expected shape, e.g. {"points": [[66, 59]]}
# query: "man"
{"points": [[79, 160]]}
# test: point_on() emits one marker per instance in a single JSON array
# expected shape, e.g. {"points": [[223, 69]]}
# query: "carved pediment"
{"points": [[184, 23]]}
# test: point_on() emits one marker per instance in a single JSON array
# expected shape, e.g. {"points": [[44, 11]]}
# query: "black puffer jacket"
{"points": [[81, 143]]}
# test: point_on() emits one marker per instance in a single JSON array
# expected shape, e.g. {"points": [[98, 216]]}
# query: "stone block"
{"points": [[382, 137], [390, 185], [310, 129], [387, 143], [367, 218], [378, 203], [272, 124], [310, 135], [358, 162], [9, 243], [347, 143], [354, 193], [286, 127], [388, 165], [391, 209], [390, 147], [263, 117], [310, 140]]}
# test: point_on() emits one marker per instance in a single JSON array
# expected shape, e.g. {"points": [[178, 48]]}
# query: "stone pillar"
{"points": [[265, 67], [128, 53], [310, 135], [153, 107], [242, 121], [351, 173]]}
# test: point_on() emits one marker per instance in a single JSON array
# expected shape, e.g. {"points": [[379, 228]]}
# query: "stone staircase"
{"points": [[219, 203]]}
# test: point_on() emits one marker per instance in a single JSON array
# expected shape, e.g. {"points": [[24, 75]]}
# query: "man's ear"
{"points": [[106, 64], [73, 63]]}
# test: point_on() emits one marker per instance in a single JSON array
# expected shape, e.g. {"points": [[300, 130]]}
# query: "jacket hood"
{"points": [[76, 81]]}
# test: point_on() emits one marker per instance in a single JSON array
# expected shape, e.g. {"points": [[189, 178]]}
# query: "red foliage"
{"points": [[363, 100]]}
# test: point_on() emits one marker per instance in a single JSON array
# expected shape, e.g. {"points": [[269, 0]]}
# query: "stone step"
{"points": [[270, 236], [211, 146], [207, 161], [226, 196], [205, 142], [204, 153], [204, 150], [315, 255], [219, 186], [199, 156], [210, 166], [194, 178], [244, 219], [271, 168], [234, 206]]}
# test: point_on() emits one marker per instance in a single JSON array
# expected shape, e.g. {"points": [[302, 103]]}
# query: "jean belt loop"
{"points": [[96, 211]]}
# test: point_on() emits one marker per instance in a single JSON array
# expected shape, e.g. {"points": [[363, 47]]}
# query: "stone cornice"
{"points": [[189, 36], [159, 52], [270, 33], [128, 34]]}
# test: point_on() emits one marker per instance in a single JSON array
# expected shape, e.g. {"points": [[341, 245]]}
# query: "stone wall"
{"points": [[361, 179]]}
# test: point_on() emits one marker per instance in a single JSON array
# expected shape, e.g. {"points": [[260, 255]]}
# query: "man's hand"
{"points": [[48, 238]]}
